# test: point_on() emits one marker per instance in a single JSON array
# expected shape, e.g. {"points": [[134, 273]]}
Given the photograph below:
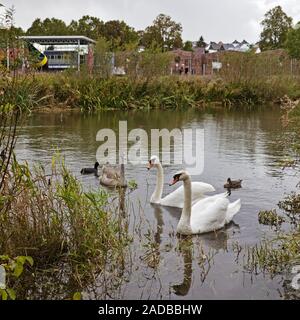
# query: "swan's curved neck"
{"points": [[184, 225], [156, 196]]}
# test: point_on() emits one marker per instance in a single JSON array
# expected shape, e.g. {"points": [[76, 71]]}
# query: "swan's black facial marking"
{"points": [[150, 165], [176, 177]]}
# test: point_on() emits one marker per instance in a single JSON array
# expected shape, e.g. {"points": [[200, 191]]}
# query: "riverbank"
{"points": [[67, 91]]}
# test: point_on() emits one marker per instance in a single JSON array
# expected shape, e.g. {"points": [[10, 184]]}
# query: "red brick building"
{"points": [[187, 62], [195, 62]]}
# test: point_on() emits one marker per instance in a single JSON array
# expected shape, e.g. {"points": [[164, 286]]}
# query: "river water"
{"points": [[243, 144]]}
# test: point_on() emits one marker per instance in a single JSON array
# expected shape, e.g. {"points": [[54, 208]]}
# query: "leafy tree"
{"points": [[48, 26], [201, 43], [188, 46], [102, 58], [293, 42], [88, 26], [164, 32], [36, 28], [276, 25], [9, 38], [119, 34]]}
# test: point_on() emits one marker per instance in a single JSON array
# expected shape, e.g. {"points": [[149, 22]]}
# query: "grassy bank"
{"points": [[69, 90], [51, 228]]}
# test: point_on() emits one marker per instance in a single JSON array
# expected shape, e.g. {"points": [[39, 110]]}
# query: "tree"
{"points": [[102, 58], [201, 43], [119, 34], [164, 33], [276, 25], [48, 27], [88, 26], [9, 39], [188, 46], [293, 42]]}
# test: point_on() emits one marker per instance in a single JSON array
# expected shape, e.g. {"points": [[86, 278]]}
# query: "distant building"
{"points": [[187, 62], [213, 47], [64, 52], [243, 46]]}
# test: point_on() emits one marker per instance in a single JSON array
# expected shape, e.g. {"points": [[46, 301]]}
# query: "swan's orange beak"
{"points": [[149, 165], [175, 180]]}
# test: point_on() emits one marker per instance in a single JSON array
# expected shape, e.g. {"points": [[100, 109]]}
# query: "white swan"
{"points": [[208, 214], [175, 198]]}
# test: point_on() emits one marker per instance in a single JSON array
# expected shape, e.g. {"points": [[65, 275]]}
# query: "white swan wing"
{"points": [[210, 199], [208, 215], [176, 198], [232, 210]]}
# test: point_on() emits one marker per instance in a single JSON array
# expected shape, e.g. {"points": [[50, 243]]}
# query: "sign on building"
{"points": [[217, 65]]}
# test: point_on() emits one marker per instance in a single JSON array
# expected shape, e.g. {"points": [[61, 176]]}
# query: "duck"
{"points": [[113, 176], [175, 198], [207, 215], [91, 170], [233, 184]]}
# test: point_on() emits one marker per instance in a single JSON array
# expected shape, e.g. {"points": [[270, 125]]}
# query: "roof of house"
{"points": [[213, 46], [244, 42], [48, 40], [228, 46]]}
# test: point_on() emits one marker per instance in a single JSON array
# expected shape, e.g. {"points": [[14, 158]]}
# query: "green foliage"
{"points": [[276, 26], [292, 43], [279, 253], [274, 256], [164, 33], [77, 296], [148, 91], [48, 27], [88, 26], [188, 46], [102, 58], [117, 33], [270, 217], [14, 268], [57, 223], [201, 43], [132, 184]]}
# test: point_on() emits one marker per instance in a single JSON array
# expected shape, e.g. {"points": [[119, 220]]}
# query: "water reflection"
{"points": [[158, 214], [185, 249], [239, 144]]}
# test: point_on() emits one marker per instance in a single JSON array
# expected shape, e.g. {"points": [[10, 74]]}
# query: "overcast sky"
{"points": [[216, 20]]}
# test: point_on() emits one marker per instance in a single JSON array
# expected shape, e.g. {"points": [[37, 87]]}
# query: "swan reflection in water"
{"points": [[213, 242]]}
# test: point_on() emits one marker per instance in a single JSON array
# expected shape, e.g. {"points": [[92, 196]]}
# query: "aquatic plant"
{"points": [[14, 268], [278, 254], [51, 218], [270, 217]]}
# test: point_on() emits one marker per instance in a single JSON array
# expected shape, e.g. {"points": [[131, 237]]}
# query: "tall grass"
{"points": [[53, 220], [93, 93]]}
